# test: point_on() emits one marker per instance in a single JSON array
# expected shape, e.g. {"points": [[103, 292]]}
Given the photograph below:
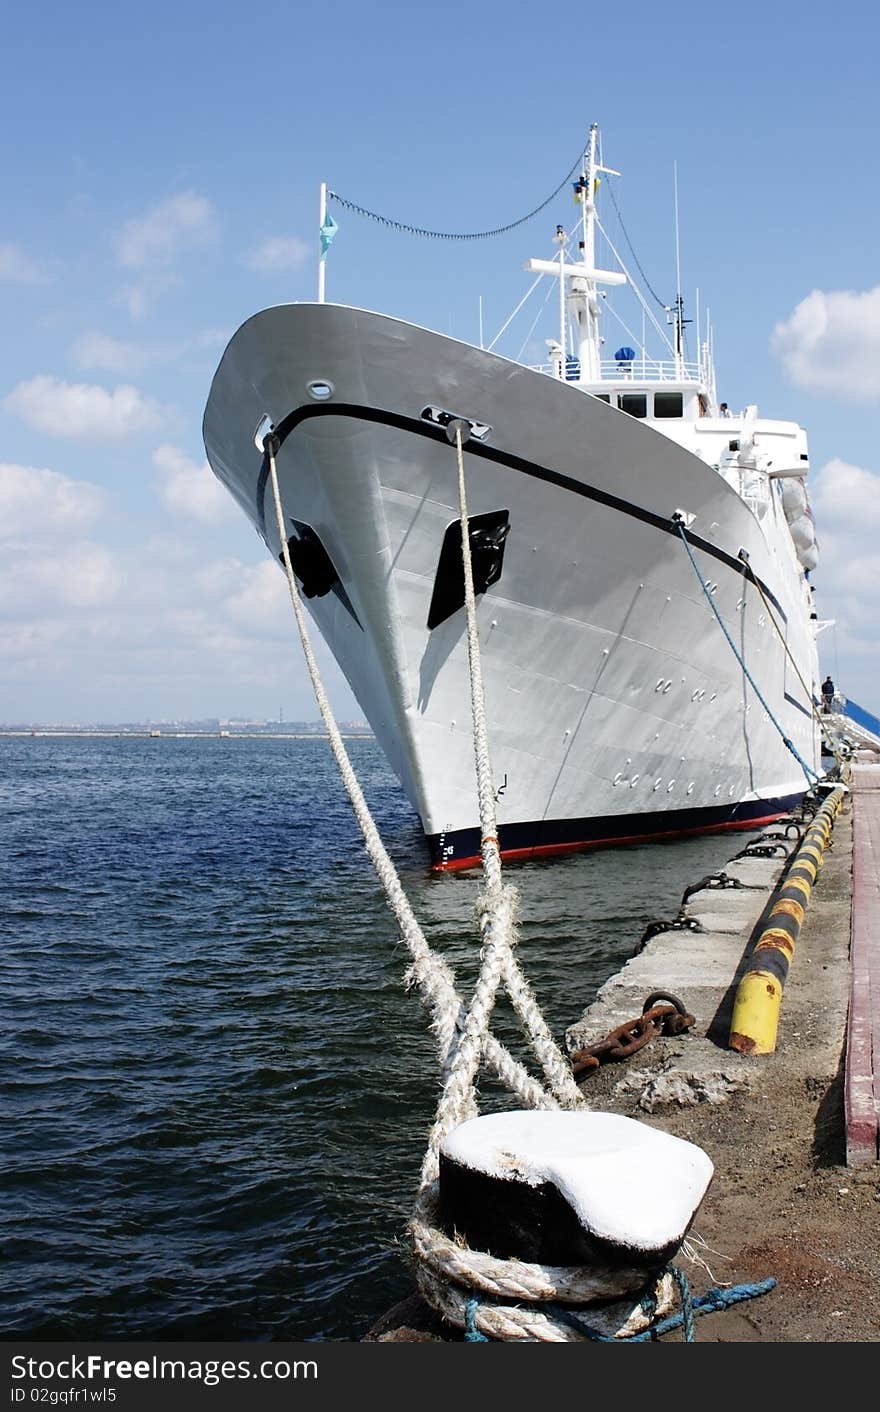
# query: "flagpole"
{"points": [[322, 216]]}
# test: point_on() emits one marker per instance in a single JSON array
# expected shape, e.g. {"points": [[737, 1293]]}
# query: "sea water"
{"points": [[217, 1089]]}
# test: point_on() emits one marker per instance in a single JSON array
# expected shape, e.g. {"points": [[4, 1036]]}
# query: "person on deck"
{"points": [[827, 694], [724, 410]]}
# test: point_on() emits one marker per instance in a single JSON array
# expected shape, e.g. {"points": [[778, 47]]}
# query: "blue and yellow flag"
{"points": [[328, 230]]}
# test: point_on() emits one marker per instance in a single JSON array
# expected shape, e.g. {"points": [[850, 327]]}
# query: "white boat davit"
{"points": [[640, 554]]}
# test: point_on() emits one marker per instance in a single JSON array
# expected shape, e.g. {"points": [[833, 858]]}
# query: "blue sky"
{"points": [[161, 173]]}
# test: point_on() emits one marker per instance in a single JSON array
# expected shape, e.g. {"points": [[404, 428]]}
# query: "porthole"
{"points": [[320, 390]]}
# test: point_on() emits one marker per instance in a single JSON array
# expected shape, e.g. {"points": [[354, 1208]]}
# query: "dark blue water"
{"points": [[216, 1090]]}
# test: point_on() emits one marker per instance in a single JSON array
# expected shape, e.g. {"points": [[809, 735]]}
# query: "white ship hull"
{"points": [[617, 708]]}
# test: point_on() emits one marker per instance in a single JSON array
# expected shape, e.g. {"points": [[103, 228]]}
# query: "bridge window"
{"points": [[602, 397], [667, 404], [635, 403]]}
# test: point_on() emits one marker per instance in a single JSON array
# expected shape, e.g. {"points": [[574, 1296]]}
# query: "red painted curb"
{"points": [[862, 1079]]}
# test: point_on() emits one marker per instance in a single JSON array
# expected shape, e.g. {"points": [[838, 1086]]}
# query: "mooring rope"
{"points": [[617, 1321], [429, 971], [808, 770], [789, 654], [497, 905], [692, 1306], [513, 1279]]}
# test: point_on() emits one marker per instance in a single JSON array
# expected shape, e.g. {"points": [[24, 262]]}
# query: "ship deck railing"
{"points": [[638, 370]]}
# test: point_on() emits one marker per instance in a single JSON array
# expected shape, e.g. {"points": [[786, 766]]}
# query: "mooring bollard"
{"points": [[758, 1001]]}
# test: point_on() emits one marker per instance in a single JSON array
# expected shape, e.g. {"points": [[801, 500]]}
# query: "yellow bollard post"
{"points": [[755, 1021]]}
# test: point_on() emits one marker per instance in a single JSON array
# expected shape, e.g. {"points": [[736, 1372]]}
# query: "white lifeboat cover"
{"points": [[794, 498], [808, 558], [625, 1181], [803, 531]]}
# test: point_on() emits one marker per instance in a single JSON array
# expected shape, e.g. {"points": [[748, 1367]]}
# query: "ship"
{"points": [[641, 556]]}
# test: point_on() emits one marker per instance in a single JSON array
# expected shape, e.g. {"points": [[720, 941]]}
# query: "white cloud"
{"points": [[98, 350], [36, 502], [17, 267], [279, 252], [848, 496], [94, 350], [82, 411], [83, 575], [173, 632], [156, 236], [832, 342], [213, 338], [189, 489], [262, 596], [138, 297], [846, 502]]}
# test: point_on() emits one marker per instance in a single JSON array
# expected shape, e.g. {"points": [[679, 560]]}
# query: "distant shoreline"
{"points": [[30, 732]]}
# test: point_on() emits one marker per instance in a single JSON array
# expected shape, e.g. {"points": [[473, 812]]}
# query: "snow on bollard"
{"points": [[567, 1188]]}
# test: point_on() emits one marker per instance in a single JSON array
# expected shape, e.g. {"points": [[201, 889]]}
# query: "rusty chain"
{"points": [[670, 1018]]}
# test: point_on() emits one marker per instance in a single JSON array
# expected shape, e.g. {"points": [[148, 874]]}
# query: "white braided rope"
{"points": [[515, 1323], [427, 969], [498, 904], [514, 1279], [463, 1036]]}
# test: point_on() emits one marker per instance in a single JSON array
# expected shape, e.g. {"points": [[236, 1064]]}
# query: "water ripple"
{"points": [[218, 1092]]}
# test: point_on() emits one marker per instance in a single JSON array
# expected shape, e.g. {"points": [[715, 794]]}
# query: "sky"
{"points": [[162, 167]]}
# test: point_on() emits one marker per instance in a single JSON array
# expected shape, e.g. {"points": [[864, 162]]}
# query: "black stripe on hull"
{"points": [[461, 849], [516, 463]]}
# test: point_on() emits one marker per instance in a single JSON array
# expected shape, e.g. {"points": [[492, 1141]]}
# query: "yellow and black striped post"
{"points": [[759, 995]]}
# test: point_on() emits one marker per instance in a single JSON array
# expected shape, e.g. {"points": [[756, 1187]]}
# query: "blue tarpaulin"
{"points": [[861, 717]]}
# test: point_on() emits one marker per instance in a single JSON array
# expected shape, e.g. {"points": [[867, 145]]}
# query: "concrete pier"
{"points": [[862, 1087], [703, 967]]}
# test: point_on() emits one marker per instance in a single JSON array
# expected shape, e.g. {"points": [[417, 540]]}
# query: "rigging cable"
{"points": [[635, 288], [453, 235], [632, 251], [811, 775], [779, 633]]}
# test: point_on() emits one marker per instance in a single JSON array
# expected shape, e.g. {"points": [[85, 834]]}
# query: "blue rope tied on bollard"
{"points": [[711, 1302], [471, 1332], [810, 773], [687, 1303]]}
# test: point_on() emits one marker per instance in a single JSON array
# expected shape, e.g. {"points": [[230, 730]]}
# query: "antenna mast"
{"points": [[678, 318], [322, 216]]}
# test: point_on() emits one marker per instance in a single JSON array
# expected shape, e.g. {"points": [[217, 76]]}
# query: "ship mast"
{"points": [[584, 277]]}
